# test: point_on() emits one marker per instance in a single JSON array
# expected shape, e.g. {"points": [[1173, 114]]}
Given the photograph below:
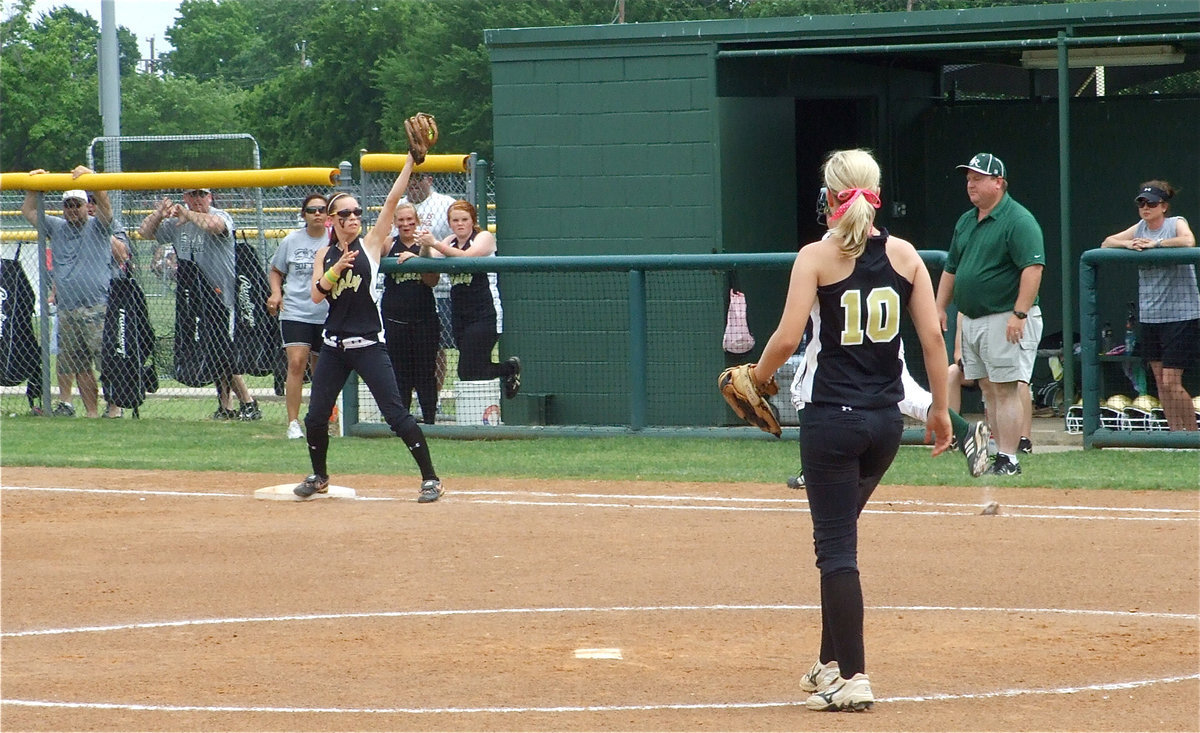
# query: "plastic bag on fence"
{"points": [[127, 346], [737, 332], [203, 350], [257, 341], [20, 354]]}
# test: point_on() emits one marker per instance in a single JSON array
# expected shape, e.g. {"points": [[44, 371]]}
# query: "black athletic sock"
{"points": [[318, 451], [842, 605], [415, 440]]}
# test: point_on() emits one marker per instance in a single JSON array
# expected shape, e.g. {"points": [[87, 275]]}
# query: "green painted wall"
{"points": [[610, 152]]}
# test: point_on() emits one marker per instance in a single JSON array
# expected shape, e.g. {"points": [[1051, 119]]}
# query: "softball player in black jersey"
{"points": [[410, 317], [472, 304], [854, 285], [344, 274]]}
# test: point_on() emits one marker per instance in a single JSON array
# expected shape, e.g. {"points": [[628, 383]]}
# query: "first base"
{"points": [[283, 492]]}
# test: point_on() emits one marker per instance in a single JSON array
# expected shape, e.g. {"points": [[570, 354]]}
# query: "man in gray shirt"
{"points": [[82, 251], [202, 233]]}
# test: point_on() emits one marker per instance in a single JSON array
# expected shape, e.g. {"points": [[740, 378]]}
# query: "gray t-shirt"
{"points": [[1167, 293], [294, 258], [212, 253], [81, 258]]}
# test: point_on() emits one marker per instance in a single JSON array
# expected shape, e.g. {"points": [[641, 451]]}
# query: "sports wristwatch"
{"points": [[1021, 314]]}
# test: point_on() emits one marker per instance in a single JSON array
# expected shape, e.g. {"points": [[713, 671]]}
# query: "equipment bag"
{"points": [[257, 341], [127, 371], [203, 350], [20, 353]]}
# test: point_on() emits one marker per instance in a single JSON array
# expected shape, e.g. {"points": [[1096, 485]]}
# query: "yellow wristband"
{"points": [[331, 277]]}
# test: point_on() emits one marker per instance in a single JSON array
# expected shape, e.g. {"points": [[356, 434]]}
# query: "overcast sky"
{"points": [[145, 18]]}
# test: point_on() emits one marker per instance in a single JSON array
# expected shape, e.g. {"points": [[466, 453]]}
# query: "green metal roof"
{"points": [[1136, 17]]}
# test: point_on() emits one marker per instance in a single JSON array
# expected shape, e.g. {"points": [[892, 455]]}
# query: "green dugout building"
{"points": [[707, 137]]}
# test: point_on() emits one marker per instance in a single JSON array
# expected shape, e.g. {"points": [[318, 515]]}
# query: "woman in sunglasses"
{"points": [[1168, 301], [300, 319], [343, 275]]}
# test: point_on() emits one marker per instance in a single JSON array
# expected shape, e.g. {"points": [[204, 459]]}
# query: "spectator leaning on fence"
{"points": [[202, 233], [992, 274], [300, 319], [1168, 300], [474, 301], [83, 251]]}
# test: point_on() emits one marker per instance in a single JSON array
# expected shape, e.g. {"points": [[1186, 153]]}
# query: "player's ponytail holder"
{"points": [[848, 196]]}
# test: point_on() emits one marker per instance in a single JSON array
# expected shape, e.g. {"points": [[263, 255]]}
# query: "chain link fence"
{"points": [[262, 217]]}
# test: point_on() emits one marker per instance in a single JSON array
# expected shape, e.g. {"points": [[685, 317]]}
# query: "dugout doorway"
{"points": [[822, 126]]}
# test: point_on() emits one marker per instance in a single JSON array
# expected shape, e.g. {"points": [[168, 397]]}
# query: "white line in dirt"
{"points": [[938, 697], [710, 503], [580, 609]]}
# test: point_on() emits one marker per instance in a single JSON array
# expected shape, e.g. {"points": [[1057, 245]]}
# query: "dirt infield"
{"points": [[176, 601]]}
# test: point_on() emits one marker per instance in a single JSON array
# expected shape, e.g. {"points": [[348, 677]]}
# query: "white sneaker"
{"points": [[819, 677], [294, 430], [852, 694]]}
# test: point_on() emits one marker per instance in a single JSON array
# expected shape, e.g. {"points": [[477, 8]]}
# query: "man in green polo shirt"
{"points": [[992, 274]]}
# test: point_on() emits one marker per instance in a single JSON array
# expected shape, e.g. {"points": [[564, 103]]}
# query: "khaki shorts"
{"points": [[987, 353], [79, 334]]}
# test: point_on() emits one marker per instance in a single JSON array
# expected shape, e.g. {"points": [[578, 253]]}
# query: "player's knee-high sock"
{"points": [[959, 426], [842, 605], [414, 438], [318, 451]]}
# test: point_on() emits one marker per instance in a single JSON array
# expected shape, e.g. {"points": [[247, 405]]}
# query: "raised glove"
{"points": [[422, 133], [748, 398]]}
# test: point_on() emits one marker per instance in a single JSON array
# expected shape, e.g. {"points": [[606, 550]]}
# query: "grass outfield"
{"points": [[262, 447]]}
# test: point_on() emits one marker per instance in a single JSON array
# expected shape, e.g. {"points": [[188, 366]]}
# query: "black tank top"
{"points": [[857, 322], [352, 308], [406, 297], [471, 294]]}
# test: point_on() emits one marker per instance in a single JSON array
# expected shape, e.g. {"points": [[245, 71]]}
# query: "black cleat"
{"points": [[313, 484]]}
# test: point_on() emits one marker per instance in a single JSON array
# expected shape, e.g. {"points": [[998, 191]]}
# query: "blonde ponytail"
{"points": [[852, 177]]}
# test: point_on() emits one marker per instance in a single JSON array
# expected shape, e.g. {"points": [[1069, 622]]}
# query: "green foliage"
{"points": [[161, 444], [315, 81]]}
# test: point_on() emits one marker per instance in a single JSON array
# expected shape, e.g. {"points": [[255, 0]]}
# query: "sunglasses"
{"points": [[72, 204], [346, 213], [197, 192], [314, 209], [1144, 204]]}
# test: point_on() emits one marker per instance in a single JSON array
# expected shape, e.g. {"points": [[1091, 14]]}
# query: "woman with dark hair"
{"points": [[344, 275], [410, 317], [1168, 301], [300, 319], [853, 285], [474, 302]]}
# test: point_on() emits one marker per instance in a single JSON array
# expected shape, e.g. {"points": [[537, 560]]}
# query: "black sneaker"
{"points": [[313, 484], [1004, 467], [223, 414], [512, 383], [796, 482], [64, 409], [431, 490], [1025, 445], [249, 411]]}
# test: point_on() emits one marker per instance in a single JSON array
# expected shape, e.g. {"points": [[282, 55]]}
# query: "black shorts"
{"points": [[299, 333], [1176, 343]]}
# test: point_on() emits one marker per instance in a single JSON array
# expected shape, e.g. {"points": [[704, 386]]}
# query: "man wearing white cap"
{"points": [[993, 272], [82, 251]]}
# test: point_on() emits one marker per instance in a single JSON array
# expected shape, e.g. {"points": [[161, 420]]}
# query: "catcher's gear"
{"points": [[422, 135], [748, 398]]}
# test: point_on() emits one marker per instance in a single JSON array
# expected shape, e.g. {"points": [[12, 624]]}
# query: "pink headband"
{"points": [[847, 197]]}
